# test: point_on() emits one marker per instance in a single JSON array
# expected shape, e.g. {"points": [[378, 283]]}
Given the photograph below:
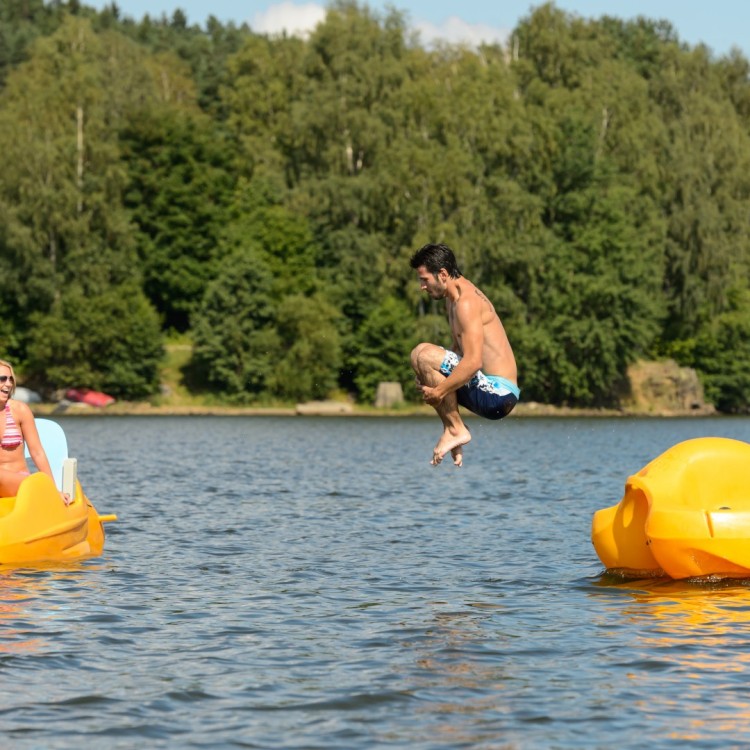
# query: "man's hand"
{"points": [[431, 395]]}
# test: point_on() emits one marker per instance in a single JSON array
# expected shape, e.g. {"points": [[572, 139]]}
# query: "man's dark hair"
{"points": [[435, 257]]}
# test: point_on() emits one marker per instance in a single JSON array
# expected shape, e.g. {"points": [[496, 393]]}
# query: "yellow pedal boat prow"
{"points": [[686, 514], [36, 526]]}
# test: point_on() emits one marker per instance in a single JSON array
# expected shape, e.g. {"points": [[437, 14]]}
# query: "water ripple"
{"points": [[314, 583]]}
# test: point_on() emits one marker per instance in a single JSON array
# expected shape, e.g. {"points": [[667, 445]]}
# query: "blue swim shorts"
{"points": [[489, 396]]}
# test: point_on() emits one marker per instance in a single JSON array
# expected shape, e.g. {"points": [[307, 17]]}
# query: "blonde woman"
{"points": [[17, 426]]}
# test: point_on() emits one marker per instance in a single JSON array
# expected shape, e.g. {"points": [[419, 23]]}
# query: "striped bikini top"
{"points": [[12, 436]]}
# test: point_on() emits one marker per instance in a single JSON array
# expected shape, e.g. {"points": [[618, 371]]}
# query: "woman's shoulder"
{"points": [[19, 409]]}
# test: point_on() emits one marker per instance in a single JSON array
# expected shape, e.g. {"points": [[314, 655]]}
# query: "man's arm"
{"points": [[469, 322]]}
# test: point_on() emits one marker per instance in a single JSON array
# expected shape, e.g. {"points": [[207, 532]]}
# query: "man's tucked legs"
{"points": [[426, 360]]}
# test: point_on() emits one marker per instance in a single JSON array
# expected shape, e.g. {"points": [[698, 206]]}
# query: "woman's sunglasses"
{"points": [[6, 378]]}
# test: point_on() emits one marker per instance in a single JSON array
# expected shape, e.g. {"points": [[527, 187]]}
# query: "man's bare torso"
{"points": [[497, 355]]}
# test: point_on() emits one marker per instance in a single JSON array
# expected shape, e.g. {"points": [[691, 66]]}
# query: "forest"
{"points": [[259, 198]]}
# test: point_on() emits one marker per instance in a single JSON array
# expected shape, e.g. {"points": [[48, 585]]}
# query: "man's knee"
{"points": [[416, 352], [426, 356]]}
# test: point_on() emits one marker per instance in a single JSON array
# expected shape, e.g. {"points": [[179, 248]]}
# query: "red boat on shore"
{"points": [[87, 396]]}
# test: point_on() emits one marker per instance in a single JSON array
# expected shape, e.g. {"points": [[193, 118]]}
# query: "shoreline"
{"points": [[340, 409]]}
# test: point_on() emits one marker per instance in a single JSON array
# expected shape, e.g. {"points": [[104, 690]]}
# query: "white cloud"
{"points": [[300, 20], [296, 20], [456, 31]]}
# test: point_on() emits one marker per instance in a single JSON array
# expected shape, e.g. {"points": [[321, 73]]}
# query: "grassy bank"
{"points": [[176, 399]]}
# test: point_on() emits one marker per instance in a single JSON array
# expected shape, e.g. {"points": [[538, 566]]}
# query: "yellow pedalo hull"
{"points": [[686, 514], [36, 526]]}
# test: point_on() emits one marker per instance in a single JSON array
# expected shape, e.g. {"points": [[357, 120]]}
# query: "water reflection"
{"points": [[686, 607], [30, 603], [462, 681], [695, 633]]}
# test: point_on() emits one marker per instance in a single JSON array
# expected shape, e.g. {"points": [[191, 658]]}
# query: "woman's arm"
{"points": [[27, 425]]}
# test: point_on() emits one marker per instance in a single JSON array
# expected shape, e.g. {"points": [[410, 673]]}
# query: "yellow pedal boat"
{"points": [[686, 514], [36, 526]]}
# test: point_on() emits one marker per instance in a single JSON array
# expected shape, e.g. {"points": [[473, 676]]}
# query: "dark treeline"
{"points": [[261, 197]]}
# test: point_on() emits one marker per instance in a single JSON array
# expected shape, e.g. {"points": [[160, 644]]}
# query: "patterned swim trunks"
{"points": [[489, 396]]}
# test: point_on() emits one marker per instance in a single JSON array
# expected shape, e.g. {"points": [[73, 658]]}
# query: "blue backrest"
{"points": [[55, 445]]}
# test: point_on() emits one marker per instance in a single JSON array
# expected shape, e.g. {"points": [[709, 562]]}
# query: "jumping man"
{"points": [[448, 378]]}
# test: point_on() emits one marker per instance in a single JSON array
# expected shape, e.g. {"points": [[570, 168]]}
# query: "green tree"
{"points": [[178, 193], [21, 22], [720, 352], [257, 218], [705, 196], [67, 231], [264, 81], [382, 347], [108, 341], [236, 346], [310, 358]]}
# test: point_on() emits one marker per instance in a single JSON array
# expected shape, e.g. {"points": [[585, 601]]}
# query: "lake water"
{"points": [[314, 583]]}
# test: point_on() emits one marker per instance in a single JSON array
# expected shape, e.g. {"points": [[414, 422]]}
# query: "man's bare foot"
{"points": [[458, 455], [451, 442]]}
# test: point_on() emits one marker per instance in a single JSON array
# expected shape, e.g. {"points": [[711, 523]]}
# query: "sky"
{"points": [[719, 24]]}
